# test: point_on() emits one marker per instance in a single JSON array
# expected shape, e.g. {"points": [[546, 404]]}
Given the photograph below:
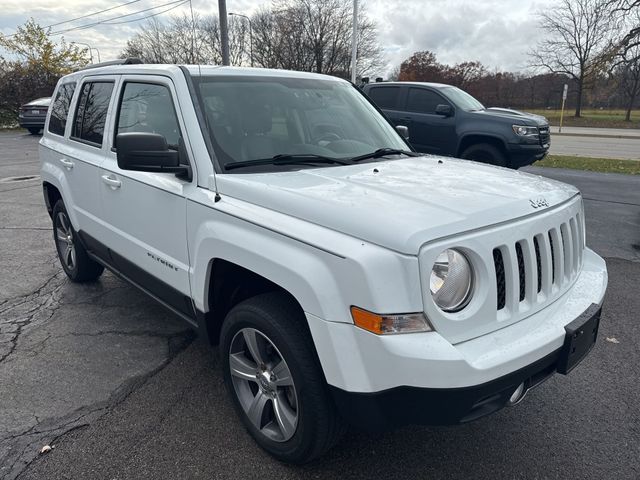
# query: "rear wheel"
{"points": [[72, 255], [273, 375], [485, 153], [34, 131]]}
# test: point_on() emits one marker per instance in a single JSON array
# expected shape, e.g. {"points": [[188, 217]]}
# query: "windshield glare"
{"points": [[462, 99], [252, 119]]}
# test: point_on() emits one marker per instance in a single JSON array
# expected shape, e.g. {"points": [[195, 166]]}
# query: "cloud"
{"points": [[499, 33]]}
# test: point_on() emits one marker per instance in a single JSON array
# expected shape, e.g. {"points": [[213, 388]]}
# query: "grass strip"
{"points": [[604, 165]]}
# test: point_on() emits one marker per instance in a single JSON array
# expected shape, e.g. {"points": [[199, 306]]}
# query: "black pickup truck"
{"points": [[445, 120]]}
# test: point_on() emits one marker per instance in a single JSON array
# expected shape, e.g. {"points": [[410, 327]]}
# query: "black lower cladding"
{"points": [[153, 286], [439, 406]]}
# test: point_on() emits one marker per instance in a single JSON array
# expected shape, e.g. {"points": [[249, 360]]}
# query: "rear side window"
{"points": [[147, 107], [424, 101], [60, 108], [385, 97], [91, 113]]}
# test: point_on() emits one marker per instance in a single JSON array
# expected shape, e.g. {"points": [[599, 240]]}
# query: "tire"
{"points": [[34, 131], [72, 255], [485, 153], [274, 327]]}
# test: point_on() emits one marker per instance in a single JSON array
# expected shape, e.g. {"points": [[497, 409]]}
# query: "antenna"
{"points": [[193, 34]]}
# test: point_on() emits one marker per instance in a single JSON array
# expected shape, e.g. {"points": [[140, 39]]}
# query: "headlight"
{"points": [[524, 131], [451, 281]]}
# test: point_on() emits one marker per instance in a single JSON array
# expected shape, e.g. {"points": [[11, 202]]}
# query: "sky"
{"points": [[499, 33]]}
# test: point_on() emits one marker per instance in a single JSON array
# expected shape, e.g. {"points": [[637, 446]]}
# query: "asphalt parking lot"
{"points": [[121, 389]]}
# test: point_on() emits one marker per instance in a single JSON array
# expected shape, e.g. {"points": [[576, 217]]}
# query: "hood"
{"points": [[515, 116], [399, 204]]}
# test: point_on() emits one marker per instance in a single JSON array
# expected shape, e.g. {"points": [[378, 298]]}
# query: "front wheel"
{"points": [[72, 255], [485, 153], [273, 375], [34, 131]]}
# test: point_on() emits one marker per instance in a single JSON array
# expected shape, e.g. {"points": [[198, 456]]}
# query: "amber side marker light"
{"points": [[389, 324]]}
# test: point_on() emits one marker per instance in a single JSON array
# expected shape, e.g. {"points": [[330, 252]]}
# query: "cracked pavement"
{"points": [[115, 384], [67, 352]]}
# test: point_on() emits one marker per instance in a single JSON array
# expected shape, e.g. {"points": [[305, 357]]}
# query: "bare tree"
{"points": [[313, 35], [183, 39], [580, 32], [629, 12], [307, 35], [628, 75]]}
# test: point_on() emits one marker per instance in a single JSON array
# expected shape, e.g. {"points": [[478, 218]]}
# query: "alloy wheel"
{"points": [[64, 239], [263, 384]]}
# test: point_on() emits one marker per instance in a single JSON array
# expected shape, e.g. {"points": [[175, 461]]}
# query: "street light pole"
{"points": [[250, 34], [354, 42], [88, 48], [224, 31]]}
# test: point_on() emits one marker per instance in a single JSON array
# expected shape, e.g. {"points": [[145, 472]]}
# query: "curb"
{"points": [[627, 137]]}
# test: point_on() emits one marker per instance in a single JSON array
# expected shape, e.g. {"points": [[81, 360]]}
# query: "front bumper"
{"points": [[364, 364], [521, 154], [433, 406]]}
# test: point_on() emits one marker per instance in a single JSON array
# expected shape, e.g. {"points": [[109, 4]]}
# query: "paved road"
{"points": [[139, 399], [600, 147], [617, 143]]}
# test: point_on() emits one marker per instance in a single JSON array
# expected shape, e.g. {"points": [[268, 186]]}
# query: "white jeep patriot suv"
{"points": [[346, 278]]}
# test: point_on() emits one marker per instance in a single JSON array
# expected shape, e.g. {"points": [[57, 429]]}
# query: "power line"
{"points": [[83, 16], [182, 2], [109, 21], [92, 14]]}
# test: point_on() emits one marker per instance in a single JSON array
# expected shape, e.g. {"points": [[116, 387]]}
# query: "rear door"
{"points": [[82, 155], [389, 98], [429, 132], [146, 212]]}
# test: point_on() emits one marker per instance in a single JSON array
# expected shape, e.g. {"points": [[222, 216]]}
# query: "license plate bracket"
{"points": [[581, 335]]}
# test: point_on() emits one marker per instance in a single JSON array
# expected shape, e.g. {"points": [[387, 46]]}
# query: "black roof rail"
{"points": [[120, 61]]}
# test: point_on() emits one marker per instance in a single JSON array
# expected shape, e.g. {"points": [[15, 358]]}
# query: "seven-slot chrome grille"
{"points": [[544, 263]]}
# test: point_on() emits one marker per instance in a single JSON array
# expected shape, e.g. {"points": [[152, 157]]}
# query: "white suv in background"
{"points": [[345, 277]]}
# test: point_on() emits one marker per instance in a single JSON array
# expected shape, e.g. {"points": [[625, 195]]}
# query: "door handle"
{"points": [[68, 164], [112, 181]]}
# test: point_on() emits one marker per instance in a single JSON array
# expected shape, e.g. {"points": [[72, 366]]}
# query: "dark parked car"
{"points": [[445, 120], [33, 114]]}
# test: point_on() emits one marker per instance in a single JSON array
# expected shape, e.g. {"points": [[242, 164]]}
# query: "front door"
{"points": [[146, 212], [430, 132]]}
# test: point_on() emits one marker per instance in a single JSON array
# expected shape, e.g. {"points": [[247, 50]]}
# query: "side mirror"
{"points": [[148, 152], [403, 131], [444, 110]]}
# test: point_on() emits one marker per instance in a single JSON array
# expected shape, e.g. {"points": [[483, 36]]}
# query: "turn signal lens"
{"points": [[388, 324]]}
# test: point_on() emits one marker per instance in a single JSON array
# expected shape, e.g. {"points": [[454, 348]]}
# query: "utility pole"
{"points": [[354, 42], [224, 31]]}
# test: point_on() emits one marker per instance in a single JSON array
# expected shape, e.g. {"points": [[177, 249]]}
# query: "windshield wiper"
{"points": [[381, 152], [286, 159]]}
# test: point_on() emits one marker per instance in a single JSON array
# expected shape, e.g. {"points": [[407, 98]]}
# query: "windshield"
{"points": [[462, 99], [255, 119]]}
